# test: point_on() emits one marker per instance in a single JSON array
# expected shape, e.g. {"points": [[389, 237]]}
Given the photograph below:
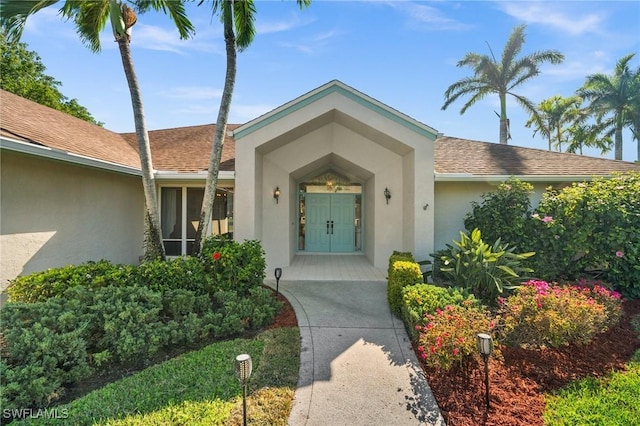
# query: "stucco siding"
{"points": [[453, 202], [54, 214]]}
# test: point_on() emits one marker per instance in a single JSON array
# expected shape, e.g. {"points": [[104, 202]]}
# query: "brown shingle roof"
{"points": [[187, 149], [462, 156], [25, 120]]}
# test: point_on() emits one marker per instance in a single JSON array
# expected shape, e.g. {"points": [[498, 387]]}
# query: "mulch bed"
{"points": [[519, 381]]}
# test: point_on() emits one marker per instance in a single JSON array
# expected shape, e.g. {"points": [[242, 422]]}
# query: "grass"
{"points": [[607, 402], [199, 388], [611, 401]]}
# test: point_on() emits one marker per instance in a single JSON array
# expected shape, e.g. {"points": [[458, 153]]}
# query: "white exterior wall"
{"points": [[453, 201], [54, 214], [334, 132]]}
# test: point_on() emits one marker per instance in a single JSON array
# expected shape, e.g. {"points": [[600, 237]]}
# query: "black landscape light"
{"points": [[485, 347], [278, 274], [243, 369]]}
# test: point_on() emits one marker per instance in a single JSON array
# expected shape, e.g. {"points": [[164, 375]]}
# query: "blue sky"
{"points": [[402, 53]]}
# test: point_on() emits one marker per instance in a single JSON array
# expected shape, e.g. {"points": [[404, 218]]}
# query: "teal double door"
{"points": [[330, 223]]}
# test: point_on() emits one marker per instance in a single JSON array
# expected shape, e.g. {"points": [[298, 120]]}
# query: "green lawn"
{"points": [[614, 400], [199, 388]]}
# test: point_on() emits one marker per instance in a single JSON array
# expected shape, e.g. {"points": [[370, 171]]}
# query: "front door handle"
{"points": [[327, 227], [331, 227]]}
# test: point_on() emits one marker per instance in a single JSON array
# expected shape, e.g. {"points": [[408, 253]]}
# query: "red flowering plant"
{"points": [[540, 314], [233, 265], [449, 335]]}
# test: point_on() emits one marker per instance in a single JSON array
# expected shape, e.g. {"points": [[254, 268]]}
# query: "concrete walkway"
{"points": [[357, 366]]}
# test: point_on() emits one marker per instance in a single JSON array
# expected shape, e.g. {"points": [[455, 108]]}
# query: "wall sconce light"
{"points": [[485, 347], [243, 369], [387, 194], [276, 194]]}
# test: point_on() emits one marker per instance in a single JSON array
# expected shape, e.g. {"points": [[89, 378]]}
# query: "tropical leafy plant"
{"points": [[485, 270]]}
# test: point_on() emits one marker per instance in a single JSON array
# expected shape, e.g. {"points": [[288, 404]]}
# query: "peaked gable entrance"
{"points": [[335, 129]]}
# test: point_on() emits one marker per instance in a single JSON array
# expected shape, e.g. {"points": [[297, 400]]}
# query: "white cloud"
{"points": [[434, 18], [426, 17], [192, 93], [569, 21], [157, 38], [293, 21], [314, 43]]}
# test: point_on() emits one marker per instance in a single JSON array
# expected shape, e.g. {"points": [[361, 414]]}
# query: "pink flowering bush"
{"points": [[541, 314], [449, 335], [600, 291]]}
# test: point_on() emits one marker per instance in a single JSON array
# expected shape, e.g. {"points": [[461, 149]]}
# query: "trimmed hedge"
{"points": [[401, 274]]}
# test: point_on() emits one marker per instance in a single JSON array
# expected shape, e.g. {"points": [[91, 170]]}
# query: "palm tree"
{"points": [[634, 112], [582, 135], [491, 76], [241, 15], [614, 98], [553, 114], [90, 18]]}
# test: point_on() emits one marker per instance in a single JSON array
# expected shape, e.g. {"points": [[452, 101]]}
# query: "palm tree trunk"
{"points": [[504, 121], [153, 248], [221, 127], [618, 139]]}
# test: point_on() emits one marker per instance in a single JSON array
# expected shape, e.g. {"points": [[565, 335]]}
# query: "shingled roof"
{"points": [[462, 156], [187, 149], [28, 121]]}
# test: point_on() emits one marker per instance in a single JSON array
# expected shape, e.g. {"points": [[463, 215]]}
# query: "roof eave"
{"points": [[347, 91], [467, 177], [65, 156], [165, 175]]}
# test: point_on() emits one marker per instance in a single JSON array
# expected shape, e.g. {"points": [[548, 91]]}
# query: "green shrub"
{"points": [[486, 271], [418, 300], [449, 335], [540, 314], [592, 227], [39, 286], [186, 273], [44, 348], [398, 255], [403, 273], [588, 227], [504, 214], [232, 265], [240, 312]]}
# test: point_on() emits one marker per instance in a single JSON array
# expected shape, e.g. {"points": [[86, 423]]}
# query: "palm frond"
{"points": [[14, 14], [245, 14]]}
